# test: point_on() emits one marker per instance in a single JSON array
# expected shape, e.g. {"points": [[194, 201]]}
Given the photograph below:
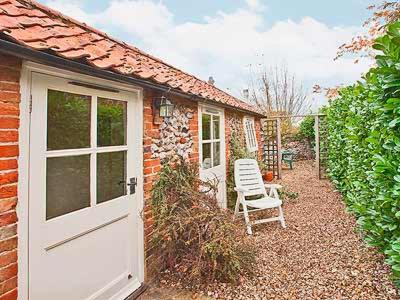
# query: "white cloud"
{"points": [[72, 9], [255, 5], [227, 45]]}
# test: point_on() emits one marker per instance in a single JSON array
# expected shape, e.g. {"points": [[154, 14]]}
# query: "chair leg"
{"points": [[235, 214], [274, 193], [282, 218], [247, 219]]}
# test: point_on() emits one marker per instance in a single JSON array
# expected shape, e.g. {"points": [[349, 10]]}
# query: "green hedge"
{"points": [[364, 149]]}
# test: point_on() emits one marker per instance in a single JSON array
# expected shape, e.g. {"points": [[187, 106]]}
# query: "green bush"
{"points": [[364, 149], [191, 234], [306, 128]]}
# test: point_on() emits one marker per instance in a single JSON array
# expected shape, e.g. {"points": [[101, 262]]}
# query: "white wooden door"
{"points": [[83, 216], [212, 149]]}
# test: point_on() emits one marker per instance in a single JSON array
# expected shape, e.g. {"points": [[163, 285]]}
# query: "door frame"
{"points": [[201, 107], [23, 163]]}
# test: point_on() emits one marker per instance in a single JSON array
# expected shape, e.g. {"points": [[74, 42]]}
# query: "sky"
{"points": [[231, 39]]}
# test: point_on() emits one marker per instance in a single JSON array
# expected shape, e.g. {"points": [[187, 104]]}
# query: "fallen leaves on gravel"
{"points": [[320, 255]]}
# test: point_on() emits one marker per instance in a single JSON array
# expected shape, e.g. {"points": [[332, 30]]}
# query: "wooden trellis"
{"points": [[272, 146]]}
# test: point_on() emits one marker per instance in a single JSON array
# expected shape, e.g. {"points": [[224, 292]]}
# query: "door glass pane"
{"points": [[216, 124], [206, 127], [216, 154], [111, 122], [67, 185], [68, 120], [111, 175], [206, 162]]}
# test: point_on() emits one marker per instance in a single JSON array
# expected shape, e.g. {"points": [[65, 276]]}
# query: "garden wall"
{"points": [[301, 147]]}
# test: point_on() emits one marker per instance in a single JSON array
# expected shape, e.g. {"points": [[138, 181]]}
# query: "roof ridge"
{"points": [[190, 84], [105, 35]]}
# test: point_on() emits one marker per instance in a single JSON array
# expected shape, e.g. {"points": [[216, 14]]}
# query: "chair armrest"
{"points": [[241, 190], [273, 186]]}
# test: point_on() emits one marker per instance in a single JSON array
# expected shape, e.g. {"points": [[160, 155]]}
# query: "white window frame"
{"points": [[250, 133], [213, 113]]}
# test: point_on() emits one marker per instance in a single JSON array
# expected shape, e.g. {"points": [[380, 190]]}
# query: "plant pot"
{"points": [[268, 176]]}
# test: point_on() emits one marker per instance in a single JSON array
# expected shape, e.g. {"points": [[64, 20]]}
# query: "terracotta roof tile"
{"points": [[41, 28]]}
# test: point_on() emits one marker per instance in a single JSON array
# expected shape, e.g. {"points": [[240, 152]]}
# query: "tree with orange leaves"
{"points": [[361, 45], [383, 14]]}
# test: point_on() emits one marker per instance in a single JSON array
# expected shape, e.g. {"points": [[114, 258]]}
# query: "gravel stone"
{"points": [[320, 255]]}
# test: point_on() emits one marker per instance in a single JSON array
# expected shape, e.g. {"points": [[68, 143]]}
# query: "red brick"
{"points": [[9, 151], [13, 295], [9, 86], [8, 218], [7, 178], [8, 136], [9, 109], [148, 171], [7, 204], [148, 186], [9, 123], [152, 163], [9, 285], [8, 191], [148, 126], [8, 258], [8, 245], [10, 96], [153, 134], [148, 118], [7, 232], [147, 155], [8, 272], [8, 164], [9, 75]]}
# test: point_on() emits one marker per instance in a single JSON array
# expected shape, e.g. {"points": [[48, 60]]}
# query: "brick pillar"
{"points": [[9, 123]]}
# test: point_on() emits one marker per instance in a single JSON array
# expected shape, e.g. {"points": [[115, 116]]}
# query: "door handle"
{"points": [[132, 185]]}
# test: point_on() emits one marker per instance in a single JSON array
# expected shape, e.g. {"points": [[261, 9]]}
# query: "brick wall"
{"points": [[9, 124], [153, 165]]}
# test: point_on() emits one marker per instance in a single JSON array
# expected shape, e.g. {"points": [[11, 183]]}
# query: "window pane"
{"points": [[111, 122], [216, 154], [216, 124], [67, 185], [68, 120], [206, 127], [206, 162], [111, 175]]}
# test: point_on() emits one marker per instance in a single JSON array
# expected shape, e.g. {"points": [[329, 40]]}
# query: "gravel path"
{"points": [[318, 256]]}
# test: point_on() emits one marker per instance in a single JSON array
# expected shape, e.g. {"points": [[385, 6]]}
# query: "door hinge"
{"points": [[30, 104]]}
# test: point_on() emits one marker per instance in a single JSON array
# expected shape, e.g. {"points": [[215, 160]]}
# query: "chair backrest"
{"points": [[248, 176]]}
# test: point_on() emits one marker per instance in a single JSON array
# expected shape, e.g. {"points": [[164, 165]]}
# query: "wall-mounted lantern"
{"points": [[164, 105]]}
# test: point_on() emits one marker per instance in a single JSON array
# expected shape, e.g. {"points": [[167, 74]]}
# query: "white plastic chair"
{"points": [[249, 182]]}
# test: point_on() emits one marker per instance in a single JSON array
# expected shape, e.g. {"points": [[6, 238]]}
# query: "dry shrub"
{"points": [[195, 238]]}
